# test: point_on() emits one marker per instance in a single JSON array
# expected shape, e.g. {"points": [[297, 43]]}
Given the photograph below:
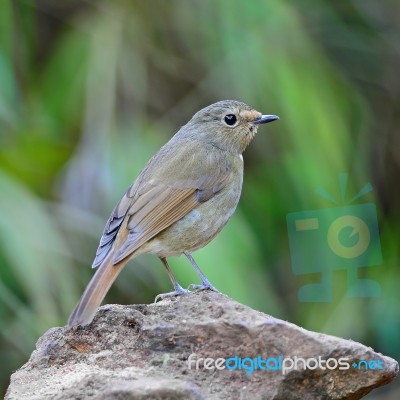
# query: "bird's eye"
{"points": [[230, 119]]}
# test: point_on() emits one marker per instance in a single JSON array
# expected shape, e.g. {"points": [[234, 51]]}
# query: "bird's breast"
{"points": [[202, 224]]}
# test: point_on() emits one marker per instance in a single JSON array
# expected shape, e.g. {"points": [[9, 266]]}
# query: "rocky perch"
{"points": [[151, 352]]}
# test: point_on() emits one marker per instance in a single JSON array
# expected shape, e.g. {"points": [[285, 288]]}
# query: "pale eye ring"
{"points": [[230, 119]]}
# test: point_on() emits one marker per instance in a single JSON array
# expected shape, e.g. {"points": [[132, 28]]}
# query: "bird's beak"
{"points": [[264, 119]]}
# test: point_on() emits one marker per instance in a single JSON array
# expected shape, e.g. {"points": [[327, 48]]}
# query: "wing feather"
{"points": [[159, 219], [154, 202]]}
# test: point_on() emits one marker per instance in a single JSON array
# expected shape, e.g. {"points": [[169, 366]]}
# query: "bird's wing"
{"points": [[158, 198]]}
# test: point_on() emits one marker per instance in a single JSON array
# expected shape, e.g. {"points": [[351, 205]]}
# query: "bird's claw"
{"points": [[178, 292], [203, 286]]}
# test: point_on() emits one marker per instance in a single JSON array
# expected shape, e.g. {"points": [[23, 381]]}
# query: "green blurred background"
{"points": [[89, 90]]}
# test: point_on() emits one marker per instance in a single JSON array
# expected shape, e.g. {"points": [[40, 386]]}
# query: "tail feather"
{"points": [[95, 292]]}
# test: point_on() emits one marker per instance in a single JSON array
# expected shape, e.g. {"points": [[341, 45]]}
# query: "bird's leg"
{"points": [[178, 288], [206, 284]]}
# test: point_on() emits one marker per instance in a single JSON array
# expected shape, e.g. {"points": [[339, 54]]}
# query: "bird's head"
{"points": [[229, 125]]}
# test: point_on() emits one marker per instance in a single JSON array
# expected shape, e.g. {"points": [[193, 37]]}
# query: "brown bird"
{"points": [[181, 200]]}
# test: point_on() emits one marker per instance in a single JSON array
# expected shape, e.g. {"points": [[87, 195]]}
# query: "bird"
{"points": [[180, 201]]}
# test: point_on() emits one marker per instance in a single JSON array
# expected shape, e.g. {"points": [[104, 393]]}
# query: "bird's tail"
{"points": [[95, 292]]}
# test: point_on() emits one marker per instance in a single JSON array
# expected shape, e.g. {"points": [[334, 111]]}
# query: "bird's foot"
{"points": [[203, 286], [179, 290]]}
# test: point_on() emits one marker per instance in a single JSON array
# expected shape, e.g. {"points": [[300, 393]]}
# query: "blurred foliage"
{"points": [[90, 90]]}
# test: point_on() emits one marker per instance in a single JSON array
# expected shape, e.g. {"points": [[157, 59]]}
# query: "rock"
{"points": [[143, 352]]}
